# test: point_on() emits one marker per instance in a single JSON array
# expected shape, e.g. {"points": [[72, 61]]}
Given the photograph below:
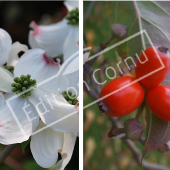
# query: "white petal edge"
{"points": [[71, 71], [13, 54], [67, 151], [6, 79], [2, 100], [5, 46], [73, 63], [55, 111], [49, 38], [71, 5], [20, 129], [45, 144], [71, 42]]}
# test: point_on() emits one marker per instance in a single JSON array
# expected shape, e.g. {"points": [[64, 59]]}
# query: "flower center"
{"points": [[10, 68], [73, 17], [23, 83], [72, 99]]}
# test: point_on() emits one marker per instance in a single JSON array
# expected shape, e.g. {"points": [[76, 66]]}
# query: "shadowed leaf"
{"points": [[158, 133], [156, 24], [133, 129]]}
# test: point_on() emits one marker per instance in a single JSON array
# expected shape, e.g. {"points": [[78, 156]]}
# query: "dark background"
{"points": [[15, 18]]}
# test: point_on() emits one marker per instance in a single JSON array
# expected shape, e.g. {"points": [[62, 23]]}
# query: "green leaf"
{"points": [[124, 13], [98, 27], [158, 133], [155, 19]]}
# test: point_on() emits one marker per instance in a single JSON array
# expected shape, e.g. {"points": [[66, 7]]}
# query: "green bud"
{"points": [[20, 80], [34, 81], [70, 93], [13, 84], [16, 79], [22, 77], [70, 102], [75, 102], [25, 83], [23, 95], [28, 76], [73, 21], [14, 90], [29, 93], [18, 86], [24, 88], [73, 17]]}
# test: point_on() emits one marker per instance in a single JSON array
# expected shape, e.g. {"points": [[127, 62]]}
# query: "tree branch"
{"points": [[136, 152], [6, 152]]}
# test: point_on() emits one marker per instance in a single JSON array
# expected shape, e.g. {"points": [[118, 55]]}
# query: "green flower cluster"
{"points": [[72, 99], [23, 83], [10, 68], [73, 17]]}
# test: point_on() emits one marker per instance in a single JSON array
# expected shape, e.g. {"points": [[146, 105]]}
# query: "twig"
{"points": [[136, 152], [6, 152], [101, 47], [91, 93], [140, 109]]}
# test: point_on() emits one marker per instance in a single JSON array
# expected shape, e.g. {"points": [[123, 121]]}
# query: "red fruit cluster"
{"points": [[123, 95]]}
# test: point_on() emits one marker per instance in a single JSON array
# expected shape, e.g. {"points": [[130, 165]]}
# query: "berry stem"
{"points": [[140, 109]]}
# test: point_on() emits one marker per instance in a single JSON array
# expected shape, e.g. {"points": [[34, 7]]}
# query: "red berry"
{"points": [[158, 100], [152, 64], [124, 101]]}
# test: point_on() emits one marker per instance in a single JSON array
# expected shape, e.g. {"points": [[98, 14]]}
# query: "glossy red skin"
{"points": [[158, 100], [124, 101], [152, 64]]}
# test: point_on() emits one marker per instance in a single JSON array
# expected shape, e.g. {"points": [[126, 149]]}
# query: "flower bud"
{"points": [[119, 31], [133, 129]]}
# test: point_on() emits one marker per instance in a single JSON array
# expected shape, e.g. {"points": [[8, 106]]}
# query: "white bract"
{"points": [[46, 145], [2, 100], [45, 101], [56, 39], [8, 51]]}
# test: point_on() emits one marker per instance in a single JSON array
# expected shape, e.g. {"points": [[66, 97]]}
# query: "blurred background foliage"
{"points": [[101, 152], [15, 17]]}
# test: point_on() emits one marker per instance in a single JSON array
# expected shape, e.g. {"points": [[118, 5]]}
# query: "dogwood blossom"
{"points": [[42, 106], [9, 54], [53, 105], [46, 145], [9, 51], [59, 38]]}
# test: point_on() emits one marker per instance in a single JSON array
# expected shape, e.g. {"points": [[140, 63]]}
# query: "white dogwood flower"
{"points": [[59, 38], [46, 145], [8, 51], [44, 101]]}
